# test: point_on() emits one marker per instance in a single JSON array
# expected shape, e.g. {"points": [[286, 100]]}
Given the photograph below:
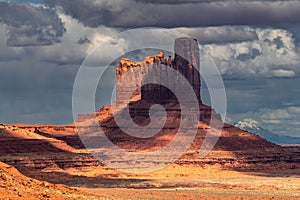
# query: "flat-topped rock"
{"points": [[186, 62]]}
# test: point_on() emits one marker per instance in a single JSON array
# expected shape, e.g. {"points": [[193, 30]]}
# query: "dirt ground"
{"points": [[189, 193], [177, 181], [183, 182], [173, 182]]}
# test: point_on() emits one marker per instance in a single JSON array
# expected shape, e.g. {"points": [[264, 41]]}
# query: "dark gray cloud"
{"points": [[220, 34], [132, 13], [84, 40], [192, 1], [248, 56], [30, 25], [170, 1]]}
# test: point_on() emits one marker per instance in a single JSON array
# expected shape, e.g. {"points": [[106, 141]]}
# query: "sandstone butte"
{"points": [[56, 154]]}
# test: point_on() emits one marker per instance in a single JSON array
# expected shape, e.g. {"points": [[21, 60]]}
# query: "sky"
{"points": [[255, 45]]}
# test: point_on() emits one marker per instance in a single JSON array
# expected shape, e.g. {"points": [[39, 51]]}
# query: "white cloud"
{"points": [[273, 48], [284, 73]]}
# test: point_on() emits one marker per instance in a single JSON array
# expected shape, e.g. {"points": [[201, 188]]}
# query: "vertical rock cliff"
{"points": [[155, 68], [187, 62]]}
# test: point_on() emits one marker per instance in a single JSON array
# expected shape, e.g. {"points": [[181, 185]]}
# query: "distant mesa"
{"points": [[253, 127]]}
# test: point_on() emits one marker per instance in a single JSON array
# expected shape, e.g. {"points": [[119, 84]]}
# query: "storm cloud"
{"points": [[30, 25], [133, 13]]}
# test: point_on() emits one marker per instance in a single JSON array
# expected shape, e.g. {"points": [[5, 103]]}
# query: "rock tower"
{"points": [[185, 61]]}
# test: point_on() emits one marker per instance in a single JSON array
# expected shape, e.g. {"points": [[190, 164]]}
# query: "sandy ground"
{"points": [[189, 193], [183, 182], [173, 182]]}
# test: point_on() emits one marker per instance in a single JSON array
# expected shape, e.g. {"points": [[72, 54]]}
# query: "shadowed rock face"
{"points": [[187, 62]]}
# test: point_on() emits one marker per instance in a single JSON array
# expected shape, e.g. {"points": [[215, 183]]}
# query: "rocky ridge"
{"points": [[14, 185]]}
